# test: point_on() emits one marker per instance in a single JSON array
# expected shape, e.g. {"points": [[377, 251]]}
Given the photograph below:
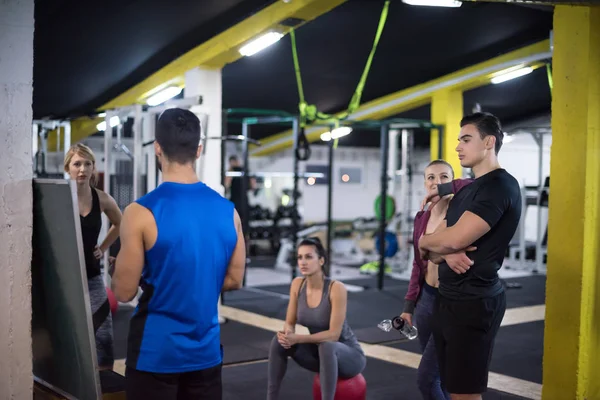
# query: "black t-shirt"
{"points": [[496, 198]]}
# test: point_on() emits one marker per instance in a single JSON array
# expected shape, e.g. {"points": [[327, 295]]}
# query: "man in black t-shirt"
{"points": [[480, 222], [233, 185]]}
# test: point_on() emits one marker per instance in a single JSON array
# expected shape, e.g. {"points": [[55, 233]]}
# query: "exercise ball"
{"points": [[112, 300], [391, 244], [346, 389]]}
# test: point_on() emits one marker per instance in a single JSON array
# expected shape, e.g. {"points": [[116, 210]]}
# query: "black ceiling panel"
{"points": [[88, 53]]}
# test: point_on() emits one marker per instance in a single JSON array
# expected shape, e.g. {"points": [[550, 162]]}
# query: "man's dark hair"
{"points": [[233, 158], [178, 134], [487, 124]]}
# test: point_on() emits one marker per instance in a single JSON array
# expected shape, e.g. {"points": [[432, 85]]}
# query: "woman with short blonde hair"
{"points": [[80, 164]]}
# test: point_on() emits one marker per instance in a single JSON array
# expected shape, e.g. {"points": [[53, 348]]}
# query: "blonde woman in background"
{"points": [[80, 164]]}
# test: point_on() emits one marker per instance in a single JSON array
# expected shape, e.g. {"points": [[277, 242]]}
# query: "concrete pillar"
{"points": [[572, 327], [207, 83], [16, 208], [447, 110]]}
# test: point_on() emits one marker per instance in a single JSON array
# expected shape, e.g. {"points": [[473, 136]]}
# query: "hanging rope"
{"points": [[355, 102], [550, 81], [309, 112]]}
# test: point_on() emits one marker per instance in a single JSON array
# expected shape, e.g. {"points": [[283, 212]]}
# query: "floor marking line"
{"points": [[522, 315], [502, 383], [267, 292]]}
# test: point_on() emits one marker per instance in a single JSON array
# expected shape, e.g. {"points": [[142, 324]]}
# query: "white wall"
{"points": [[519, 157], [350, 200]]}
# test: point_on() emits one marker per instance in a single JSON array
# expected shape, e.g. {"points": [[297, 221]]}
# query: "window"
{"points": [[316, 169], [350, 175]]}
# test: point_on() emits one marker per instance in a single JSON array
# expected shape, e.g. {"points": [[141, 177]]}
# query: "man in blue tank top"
{"points": [[183, 244]]}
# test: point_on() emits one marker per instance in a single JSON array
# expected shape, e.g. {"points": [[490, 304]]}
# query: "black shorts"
{"points": [[202, 385], [464, 334]]}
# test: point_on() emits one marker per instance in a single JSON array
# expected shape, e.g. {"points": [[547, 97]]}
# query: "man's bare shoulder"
{"points": [[137, 214]]}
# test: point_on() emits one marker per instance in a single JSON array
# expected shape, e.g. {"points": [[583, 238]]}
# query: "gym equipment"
{"points": [[354, 388], [524, 255], [390, 208], [391, 244], [538, 196], [396, 256], [60, 299], [299, 129], [41, 129], [112, 300]]}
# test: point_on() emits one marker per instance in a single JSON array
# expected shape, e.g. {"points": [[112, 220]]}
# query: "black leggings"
{"points": [[197, 385], [332, 360]]}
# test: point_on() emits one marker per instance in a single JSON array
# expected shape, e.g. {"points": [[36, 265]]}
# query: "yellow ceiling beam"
{"points": [[216, 52], [420, 95], [223, 48]]}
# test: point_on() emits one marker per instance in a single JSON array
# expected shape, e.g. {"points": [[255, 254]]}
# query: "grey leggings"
{"points": [[330, 359], [104, 334]]}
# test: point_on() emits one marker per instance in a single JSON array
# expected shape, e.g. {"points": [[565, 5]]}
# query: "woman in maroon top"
{"points": [[422, 289]]}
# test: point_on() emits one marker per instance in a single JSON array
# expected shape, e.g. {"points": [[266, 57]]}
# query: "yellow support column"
{"points": [[447, 110], [571, 341]]}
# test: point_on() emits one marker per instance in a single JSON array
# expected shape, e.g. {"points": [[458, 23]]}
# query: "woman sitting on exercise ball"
{"points": [[319, 304], [80, 164]]}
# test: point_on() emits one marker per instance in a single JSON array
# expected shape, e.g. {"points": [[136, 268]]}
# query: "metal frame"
{"points": [[329, 207], [383, 126], [383, 203], [246, 124], [40, 129], [538, 136]]}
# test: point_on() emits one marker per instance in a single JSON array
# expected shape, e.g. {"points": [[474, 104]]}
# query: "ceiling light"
{"points": [[507, 76], [336, 133], [260, 43], [163, 95], [434, 3], [114, 121]]}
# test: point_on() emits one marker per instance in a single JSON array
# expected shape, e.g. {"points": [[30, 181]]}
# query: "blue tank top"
{"points": [[175, 327]]}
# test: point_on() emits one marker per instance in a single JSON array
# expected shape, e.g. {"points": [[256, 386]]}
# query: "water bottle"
{"points": [[410, 332]]}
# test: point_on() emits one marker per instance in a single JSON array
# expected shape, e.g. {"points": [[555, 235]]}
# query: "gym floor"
{"points": [[254, 314]]}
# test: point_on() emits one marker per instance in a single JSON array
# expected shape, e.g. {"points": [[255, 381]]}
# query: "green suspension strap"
{"points": [[355, 102], [303, 151], [550, 81], [309, 112], [304, 108]]}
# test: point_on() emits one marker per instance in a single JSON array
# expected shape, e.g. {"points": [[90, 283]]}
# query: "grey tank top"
{"points": [[317, 319]]}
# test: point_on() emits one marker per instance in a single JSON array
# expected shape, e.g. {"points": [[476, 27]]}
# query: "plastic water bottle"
{"points": [[410, 332]]}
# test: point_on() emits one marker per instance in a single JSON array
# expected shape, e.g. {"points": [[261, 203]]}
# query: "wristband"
{"points": [[444, 189]]}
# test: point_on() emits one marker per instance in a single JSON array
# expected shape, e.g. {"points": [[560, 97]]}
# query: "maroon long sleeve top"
{"points": [[419, 270]]}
